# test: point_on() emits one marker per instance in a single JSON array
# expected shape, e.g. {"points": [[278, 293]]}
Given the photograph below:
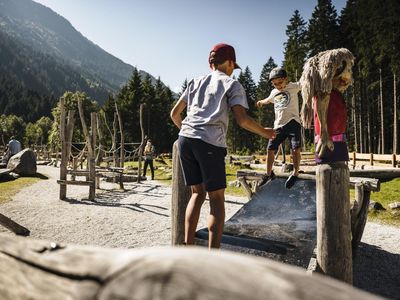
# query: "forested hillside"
{"points": [[47, 32], [42, 55], [30, 82]]}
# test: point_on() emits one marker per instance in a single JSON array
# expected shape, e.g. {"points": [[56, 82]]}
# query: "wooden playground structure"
{"points": [[325, 247], [92, 153]]}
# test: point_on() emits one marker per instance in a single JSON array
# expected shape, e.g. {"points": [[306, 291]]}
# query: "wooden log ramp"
{"points": [[35, 269]]}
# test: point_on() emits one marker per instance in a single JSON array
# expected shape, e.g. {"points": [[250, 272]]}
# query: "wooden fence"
{"points": [[373, 159]]}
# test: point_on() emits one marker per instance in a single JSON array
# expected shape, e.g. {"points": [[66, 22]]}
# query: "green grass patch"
{"points": [[9, 185], [162, 172], [390, 192], [230, 176]]}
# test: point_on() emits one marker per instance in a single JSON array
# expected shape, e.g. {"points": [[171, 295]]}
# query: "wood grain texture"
{"points": [[33, 269]]}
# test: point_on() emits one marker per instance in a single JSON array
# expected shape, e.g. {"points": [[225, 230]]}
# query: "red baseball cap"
{"points": [[222, 52]]}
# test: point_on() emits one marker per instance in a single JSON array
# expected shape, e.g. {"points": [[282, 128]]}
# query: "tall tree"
{"points": [[245, 141], [295, 46], [323, 28], [265, 115]]}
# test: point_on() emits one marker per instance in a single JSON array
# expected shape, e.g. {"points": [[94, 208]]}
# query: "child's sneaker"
{"points": [[290, 181], [267, 178]]}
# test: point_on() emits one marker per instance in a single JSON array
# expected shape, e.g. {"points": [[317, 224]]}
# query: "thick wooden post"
{"points": [[180, 198], [141, 147], [334, 253], [354, 158], [63, 165], [92, 159]]}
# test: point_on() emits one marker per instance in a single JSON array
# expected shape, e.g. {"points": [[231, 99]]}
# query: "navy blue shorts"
{"points": [[291, 130], [202, 163]]}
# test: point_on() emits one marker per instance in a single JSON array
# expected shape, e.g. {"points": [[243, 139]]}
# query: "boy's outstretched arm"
{"points": [[261, 103], [177, 111], [248, 123]]}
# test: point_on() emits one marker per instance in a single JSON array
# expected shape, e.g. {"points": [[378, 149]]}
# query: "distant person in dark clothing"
{"points": [[148, 154]]}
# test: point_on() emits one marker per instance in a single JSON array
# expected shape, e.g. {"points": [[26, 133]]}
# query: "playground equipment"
{"points": [[282, 224], [90, 153]]}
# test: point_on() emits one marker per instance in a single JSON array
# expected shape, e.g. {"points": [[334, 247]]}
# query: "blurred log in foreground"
{"points": [[34, 269]]}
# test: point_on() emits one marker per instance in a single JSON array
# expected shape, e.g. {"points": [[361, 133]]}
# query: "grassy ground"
{"points": [[390, 192], [9, 185]]}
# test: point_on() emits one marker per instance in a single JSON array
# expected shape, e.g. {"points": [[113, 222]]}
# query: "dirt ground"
{"points": [[140, 217]]}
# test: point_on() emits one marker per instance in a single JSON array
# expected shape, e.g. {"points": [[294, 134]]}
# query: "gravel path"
{"points": [[140, 217]]}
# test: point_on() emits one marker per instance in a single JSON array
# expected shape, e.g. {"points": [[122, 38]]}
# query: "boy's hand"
{"points": [[259, 103], [270, 133]]}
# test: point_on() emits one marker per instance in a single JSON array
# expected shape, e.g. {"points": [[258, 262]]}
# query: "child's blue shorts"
{"points": [[291, 130]]}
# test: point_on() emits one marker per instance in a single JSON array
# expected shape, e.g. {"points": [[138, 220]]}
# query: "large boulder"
{"points": [[23, 163]]}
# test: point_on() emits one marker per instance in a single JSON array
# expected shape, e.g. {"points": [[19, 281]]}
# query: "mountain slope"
{"points": [[47, 32], [28, 76]]}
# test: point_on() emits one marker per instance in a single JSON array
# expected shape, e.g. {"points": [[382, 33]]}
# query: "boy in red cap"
{"points": [[202, 138]]}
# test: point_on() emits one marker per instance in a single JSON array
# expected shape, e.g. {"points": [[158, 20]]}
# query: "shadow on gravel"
{"points": [[117, 198], [377, 271]]}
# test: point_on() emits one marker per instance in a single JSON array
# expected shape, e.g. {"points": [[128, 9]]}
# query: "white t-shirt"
{"points": [[286, 104]]}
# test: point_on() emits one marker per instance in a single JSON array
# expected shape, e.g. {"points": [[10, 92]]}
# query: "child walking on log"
{"points": [[202, 138], [287, 122]]}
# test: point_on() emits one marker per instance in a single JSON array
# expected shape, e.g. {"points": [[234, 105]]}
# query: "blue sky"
{"points": [[172, 38]]}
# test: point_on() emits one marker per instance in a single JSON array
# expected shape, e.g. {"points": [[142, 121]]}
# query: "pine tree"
{"points": [[295, 47], [323, 28], [265, 115], [246, 142]]}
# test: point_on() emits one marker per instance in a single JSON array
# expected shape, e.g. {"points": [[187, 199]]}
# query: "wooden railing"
{"points": [[394, 159]]}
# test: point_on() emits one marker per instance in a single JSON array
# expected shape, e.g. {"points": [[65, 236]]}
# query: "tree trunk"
{"points": [[394, 114], [354, 117], [382, 114], [361, 112]]}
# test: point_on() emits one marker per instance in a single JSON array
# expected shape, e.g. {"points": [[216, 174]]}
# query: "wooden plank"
{"points": [[372, 184], [369, 184], [383, 157], [71, 182], [13, 226], [363, 156]]}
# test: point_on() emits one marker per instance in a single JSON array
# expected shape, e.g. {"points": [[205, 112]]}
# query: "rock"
{"points": [[394, 205], [375, 206], [23, 163]]}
